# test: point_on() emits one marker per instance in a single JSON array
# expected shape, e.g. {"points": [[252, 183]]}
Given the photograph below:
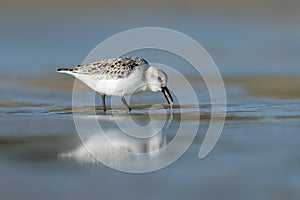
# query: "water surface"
{"points": [[256, 157], [257, 150]]}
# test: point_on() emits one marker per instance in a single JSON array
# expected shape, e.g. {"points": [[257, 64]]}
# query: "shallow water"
{"points": [[256, 157], [257, 151]]}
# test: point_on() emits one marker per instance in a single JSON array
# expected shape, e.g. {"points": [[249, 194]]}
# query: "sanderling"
{"points": [[121, 76]]}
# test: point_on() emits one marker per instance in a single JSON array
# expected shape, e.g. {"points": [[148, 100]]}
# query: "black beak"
{"points": [[167, 94]]}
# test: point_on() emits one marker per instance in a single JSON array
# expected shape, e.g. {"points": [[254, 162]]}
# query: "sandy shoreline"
{"points": [[271, 87], [280, 87]]}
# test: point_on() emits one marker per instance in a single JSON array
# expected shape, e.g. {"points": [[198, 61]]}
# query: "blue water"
{"points": [[41, 156], [239, 46]]}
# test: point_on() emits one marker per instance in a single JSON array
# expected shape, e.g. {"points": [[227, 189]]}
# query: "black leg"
{"points": [[125, 103], [103, 102]]}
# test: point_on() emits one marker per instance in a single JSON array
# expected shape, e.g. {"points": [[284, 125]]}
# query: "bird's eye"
{"points": [[159, 78]]}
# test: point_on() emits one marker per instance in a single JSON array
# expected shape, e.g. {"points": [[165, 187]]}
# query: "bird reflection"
{"points": [[110, 145]]}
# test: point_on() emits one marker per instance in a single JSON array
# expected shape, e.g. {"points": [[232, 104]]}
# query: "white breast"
{"points": [[132, 84]]}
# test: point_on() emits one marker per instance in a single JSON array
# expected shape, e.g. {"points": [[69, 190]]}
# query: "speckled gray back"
{"points": [[111, 68]]}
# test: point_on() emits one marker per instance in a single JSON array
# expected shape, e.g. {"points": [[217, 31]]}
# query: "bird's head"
{"points": [[157, 81]]}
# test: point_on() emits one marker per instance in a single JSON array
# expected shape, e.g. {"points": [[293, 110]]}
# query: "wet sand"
{"points": [[270, 87], [280, 87]]}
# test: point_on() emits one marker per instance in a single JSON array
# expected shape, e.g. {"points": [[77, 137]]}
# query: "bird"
{"points": [[121, 76]]}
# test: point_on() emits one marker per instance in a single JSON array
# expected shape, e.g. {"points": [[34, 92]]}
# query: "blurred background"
{"points": [[255, 44], [243, 37]]}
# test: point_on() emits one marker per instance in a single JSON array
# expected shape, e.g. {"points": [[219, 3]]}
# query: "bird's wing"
{"points": [[111, 68]]}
